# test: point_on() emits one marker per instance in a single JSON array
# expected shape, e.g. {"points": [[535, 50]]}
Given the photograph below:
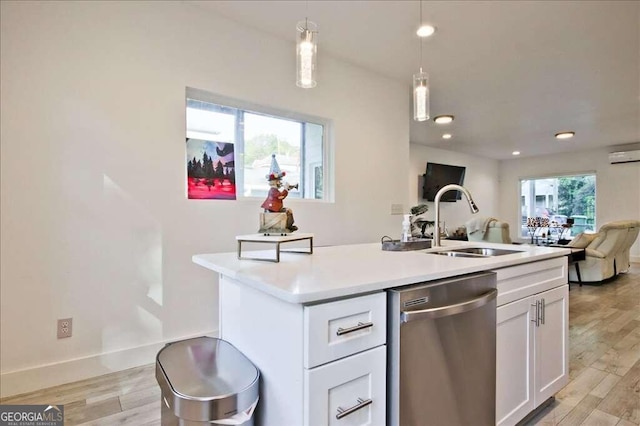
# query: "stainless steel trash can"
{"points": [[205, 380]]}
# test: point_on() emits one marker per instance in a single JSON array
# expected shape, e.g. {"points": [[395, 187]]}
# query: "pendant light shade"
{"points": [[421, 96], [306, 53], [421, 87]]}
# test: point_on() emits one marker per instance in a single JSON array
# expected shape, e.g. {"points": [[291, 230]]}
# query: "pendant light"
{"points": [[421, 88], [306, 52], [421, 96]]}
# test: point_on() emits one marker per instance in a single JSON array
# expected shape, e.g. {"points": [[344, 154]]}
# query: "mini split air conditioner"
{"points": [[624, 156]]}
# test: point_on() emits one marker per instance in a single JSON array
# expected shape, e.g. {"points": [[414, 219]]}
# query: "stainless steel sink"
{"points": [[475, 252], [456, 254]]}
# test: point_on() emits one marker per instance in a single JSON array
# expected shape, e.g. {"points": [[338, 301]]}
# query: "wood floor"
{"points": [[604, 371]]}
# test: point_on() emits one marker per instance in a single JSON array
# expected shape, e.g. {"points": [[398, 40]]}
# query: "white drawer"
{"points": [[516, 282], [357, 383], [338, 329]]}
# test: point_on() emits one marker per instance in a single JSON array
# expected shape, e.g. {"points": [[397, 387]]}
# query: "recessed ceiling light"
{"points": [[426, 31], [565, 135], [446, 136], [515, 153], [443, 119]]}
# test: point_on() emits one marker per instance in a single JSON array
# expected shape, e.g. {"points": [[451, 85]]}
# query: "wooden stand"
{"points": [[274, 239]]}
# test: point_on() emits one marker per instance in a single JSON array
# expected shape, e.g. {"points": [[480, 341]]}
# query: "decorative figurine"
{"points": [[276, 219]]}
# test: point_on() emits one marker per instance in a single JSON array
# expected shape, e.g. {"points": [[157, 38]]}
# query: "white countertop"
{"points": [[341, 271]]}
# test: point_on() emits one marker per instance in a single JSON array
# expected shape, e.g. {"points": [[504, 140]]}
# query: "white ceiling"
{"points": [[513, 73]]}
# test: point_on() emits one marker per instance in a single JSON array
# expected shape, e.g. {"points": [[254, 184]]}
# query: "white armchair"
{"points": [[488, 229], [607, 251]]}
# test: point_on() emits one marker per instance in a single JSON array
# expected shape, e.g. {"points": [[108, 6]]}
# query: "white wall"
{"points": [[95, 222], [481, 179], [617, 185]]}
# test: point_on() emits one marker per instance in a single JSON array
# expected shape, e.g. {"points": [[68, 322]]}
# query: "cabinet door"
{"points": [[514, 361], [552, 362], [347, 392]]}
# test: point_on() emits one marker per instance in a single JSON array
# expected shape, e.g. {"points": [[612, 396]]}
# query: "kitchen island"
{"points": [[316, 326]]}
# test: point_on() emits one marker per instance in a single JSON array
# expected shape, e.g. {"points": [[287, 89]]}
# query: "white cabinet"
{"points": [[347, 392], [317, 362], [344, 377], [531, 353], [327, 360]]}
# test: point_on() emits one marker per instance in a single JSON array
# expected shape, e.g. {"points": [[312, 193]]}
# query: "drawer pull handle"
{"points": [[360, 326], [361, 404]]}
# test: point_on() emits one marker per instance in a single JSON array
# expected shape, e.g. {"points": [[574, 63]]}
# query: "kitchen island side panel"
{"points": [[269, 332]]}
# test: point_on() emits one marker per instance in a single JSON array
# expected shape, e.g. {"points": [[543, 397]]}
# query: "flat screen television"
{"points": [[439, 175]]}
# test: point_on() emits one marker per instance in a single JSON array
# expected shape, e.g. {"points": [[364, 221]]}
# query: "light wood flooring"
{"points": [[604, 367]]}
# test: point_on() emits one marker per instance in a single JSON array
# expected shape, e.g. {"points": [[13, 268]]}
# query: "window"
{"points": [[256, 132], [560, 198]]}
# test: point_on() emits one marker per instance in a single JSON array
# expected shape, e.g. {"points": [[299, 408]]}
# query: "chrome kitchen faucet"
{"points": [[447, 188]]}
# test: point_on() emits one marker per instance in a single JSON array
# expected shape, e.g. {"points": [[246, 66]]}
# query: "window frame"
{"points": [[302, 118], [521, 196]]}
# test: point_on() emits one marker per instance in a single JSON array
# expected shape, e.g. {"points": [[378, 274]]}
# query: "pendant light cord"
{"points": [[419, 25]]}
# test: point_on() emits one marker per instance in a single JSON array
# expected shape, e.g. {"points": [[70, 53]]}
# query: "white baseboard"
{"points": [[634, 259], [45, 376]]}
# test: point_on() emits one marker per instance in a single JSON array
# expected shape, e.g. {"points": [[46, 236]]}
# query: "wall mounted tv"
{"points": [[439, 175]]}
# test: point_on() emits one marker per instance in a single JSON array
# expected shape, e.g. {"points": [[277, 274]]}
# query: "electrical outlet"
{"points": [[65, 327], [397, 209]]}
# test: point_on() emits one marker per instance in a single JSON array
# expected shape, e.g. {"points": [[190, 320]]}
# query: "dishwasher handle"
{"points": [[443, 311]]}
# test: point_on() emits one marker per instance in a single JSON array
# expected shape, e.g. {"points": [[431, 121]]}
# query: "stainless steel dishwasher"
{"points": [[442, 352]]}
